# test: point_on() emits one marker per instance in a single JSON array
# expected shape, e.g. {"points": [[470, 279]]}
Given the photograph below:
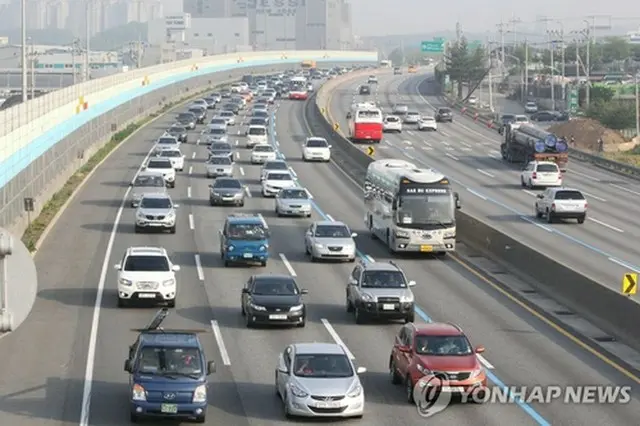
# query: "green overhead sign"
{"points": [[475, 44], [433, 46]]}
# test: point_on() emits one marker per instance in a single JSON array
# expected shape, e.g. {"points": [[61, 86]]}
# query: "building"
{"points": [[110, 61], [634, 37], [326, 25], [208, 8]]}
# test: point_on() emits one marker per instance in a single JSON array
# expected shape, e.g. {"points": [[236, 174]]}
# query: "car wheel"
{"points": [[226, 263], [408, 384], [242, 310], [172, 230], [549, 217], [263, 263], [303, 323], [133, 418], [538, 213], [137, 229], [522, 182], [171, 303], [410, 318], [172, 185], [581, 219], [360, 317], [241, 203], [122, 303], [396, 379], [248, 322]]}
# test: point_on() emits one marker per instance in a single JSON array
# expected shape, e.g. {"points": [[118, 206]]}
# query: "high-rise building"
{"points": [[208, 8], [327, 25]]}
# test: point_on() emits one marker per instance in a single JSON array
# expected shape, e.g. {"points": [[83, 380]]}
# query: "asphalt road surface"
{"points": [[604, 247], [45, 362]]}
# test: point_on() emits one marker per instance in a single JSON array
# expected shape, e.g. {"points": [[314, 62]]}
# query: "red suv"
{"points": [[436, 350]]}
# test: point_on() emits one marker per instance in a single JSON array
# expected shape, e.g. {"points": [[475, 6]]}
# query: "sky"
{"points": [[386, 17]]}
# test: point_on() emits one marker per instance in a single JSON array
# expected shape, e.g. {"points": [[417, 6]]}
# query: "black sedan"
{"points": [[199, 112], [179, 132], [187, 119], [233, 107], [365, 90], [273, 299]]}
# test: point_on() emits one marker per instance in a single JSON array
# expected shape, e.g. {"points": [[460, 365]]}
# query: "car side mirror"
{"points": [[176, 206], [353, 281], [304, 291], [541, 196], [354, 234], [361, 370], [480, 349], [348, 115], [175, 268], [458, 202], [412, 283], [211, 367], [404, 349], [117, 266], [127, 366], [283, 369], [143, 168], [330, 146], [245, 291]]}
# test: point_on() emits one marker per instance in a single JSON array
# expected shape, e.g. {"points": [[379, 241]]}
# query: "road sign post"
{"points": [[630, 284], [371, 151], [573, 100], [433, 46]]}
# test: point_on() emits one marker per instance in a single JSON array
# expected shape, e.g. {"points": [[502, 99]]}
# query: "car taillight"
{"points": [[553, 206], [586, 205], [534, 175]]}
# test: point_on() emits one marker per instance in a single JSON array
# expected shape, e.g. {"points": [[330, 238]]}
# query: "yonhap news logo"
{"points": [[434, 393]]}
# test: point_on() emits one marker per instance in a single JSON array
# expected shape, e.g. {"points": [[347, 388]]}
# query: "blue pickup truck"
{"points": [[244, 239], [168, 373]]}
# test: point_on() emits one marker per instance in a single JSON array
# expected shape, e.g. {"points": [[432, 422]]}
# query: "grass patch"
{"points": [[36, 228], [628, 157]]}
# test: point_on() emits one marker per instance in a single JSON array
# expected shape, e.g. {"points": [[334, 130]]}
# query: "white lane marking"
{"points": [[534, 222], [427, 143], [336, 337], [246, 190], [190, 169], [595, 197], [277, 143], [221, 346], [387, 142], [533, 194], [239, 131], [309, 194], [409, 132], [465, 144], [237, 155], [446, 143], [621, 263], [485, 362], [369, 258], [477, 194], [330, 218], [409, 155], [189, 192], [407, 142], [466, 149], [193, 155], [191, 224], [595, 179], [485, 173], [241, 171], [606, 225], [237, 142], [199, 269], [287, 265], [453, 157], [293, 172], [444, 134], [427, 148], [625, 189]]}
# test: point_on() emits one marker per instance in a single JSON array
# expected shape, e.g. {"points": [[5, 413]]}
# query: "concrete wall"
{"points": [[43, 141]]}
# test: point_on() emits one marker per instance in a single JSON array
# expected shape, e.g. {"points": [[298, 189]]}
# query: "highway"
{"points": [[44, 368], [604, 247]]}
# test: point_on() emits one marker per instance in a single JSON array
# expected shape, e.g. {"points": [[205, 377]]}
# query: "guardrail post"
{"points": [[6, 249]]}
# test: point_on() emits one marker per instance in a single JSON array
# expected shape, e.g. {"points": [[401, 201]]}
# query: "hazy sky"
{"points": [[380, 17]]}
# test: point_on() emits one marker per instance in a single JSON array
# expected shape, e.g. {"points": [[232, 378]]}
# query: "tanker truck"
{"points": [[526, 142]]}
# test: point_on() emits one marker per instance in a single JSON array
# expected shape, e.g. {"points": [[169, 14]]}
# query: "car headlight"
{"points": [[138, 393], [200, 394], [230, 248], [124, 281], [258, 307], [355, 392], [319, 246], [449, 234], [296, 391], [171, 215], [367, 297], [140, 215], [296, 308], [168, 283], [215, 194], [423, 369], [401, 234], [406, 299], [263, 248], [476, 372]]}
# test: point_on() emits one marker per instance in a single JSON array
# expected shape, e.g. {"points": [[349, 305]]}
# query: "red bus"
{"points": [[365, 123]]}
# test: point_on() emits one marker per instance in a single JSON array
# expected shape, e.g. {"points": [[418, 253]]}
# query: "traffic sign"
{"points": [[435, 46], [371, 151], [438, 39], [573, 100], [630, 284], [336, 127]]}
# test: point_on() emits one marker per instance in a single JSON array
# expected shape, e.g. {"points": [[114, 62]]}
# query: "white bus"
{"points": [[410, 209], [385, 64]]}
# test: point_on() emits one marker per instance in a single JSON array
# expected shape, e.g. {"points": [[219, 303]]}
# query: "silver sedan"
{"points": [[330, 240], [293, 202]]}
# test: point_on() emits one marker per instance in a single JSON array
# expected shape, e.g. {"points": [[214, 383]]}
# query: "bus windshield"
{"points": [[426, 211], [369, 114]]}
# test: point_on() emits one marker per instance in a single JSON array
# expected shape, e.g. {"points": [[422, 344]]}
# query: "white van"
{"points": [[256, 135]]}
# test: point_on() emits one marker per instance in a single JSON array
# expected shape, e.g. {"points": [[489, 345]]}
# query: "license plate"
{"points": [[426, 248], [169, 408], [146, 295], [388, 307], [327, 404], [278, 317], [247, 255]]}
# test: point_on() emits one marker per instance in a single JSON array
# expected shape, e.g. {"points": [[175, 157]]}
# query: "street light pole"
{"points": [[526, 70], [552, 54], [23, 31], [637, 107], [588, 66]]}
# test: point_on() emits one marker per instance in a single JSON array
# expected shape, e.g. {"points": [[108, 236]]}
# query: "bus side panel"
{"points": [[368, 131]]}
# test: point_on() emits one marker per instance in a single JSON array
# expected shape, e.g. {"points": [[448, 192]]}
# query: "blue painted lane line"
{"points": [[528, 409]]}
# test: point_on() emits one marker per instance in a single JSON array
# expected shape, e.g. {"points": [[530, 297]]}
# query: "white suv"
{"points": [[561, 203], [541, 173], [146, 274], [392, 123]]}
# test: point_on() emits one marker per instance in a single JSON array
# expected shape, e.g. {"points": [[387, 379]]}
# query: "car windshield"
{"points": [[443, 345], [569, 195], [247, 231], [227, 184], [227, 114], [170, 361], [220, 160], [279, 176], [392, 119], [145, 263], [159, 164], [413, 113], [294, 194], [279, 165], [275, 287], [176, 129], [332, 231], [548, 168], [322, 366], [220, 147], [257, 131], [444, 110], [317, 143], [185, 116], [166, 141], [522, 118], [263, 148], [508, 118], [218, 121], [257, 122], [260, 113], [217, 131], [417, 210], [383, 279], [428, 119], [170, 153], [149, 181], [401, 106], [196, 110], [155, 203]]}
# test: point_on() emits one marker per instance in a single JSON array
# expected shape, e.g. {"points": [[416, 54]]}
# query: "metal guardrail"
{"points": [[491, 121]]}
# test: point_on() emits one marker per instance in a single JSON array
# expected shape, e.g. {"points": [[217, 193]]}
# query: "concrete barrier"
{"points": [[614, 313], [46, 139]]}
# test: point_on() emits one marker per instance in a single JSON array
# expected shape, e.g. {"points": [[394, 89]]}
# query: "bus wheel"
{"points": [[373, 234], [391, 249]]}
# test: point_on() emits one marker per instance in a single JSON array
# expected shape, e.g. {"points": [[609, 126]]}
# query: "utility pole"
{"points": [[526, 70], [23, 30], [558, 35], [87, 68], [490, 75], [73, 59], [588, 67], [33, 70], [637, 106], [553, 83], [514, 25], [501, 31], [458, 33]]}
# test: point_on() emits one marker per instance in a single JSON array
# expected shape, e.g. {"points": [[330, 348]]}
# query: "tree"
{"points": [[614, 114], [465, 66], [615, 49]]}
